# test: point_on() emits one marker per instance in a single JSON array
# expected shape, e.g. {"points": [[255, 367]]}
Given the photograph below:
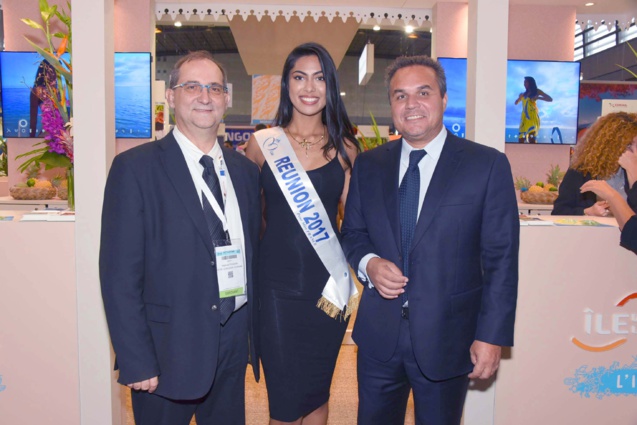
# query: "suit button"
{"points": [[213, 308], [212, 263]]}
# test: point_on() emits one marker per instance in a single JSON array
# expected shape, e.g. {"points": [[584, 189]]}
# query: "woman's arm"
{"points": [[254, 153], [352, 153], [618, 206], [543, 96]]}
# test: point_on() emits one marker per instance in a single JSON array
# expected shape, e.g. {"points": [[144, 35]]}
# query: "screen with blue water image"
{"points": [[21, 114], [546, 117], [455, 114]]}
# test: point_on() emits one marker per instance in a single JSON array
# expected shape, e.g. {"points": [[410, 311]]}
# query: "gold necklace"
{"points": [[305, 143]]}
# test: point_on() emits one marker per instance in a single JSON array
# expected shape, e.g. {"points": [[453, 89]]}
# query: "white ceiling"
{"points": [[601, 6]]}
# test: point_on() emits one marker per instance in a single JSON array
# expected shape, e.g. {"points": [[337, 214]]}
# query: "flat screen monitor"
{"points": [[455, 117], [550, 117], [133, 113], [593, 93], [557, 118]]}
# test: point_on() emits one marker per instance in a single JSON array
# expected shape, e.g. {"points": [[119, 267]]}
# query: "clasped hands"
{"points": [[389, 281]]}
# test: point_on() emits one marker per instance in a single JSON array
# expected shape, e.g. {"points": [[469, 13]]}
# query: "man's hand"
{"points": [[485, 358], [386, 278], [149, 385]]}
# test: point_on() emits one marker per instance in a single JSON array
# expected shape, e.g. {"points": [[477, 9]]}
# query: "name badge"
{"points": [[230, 270]]}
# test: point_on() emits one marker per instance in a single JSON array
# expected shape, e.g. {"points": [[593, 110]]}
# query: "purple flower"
{"points": [[57, 136]]}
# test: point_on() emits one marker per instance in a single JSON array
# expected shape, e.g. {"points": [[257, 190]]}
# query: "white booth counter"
{"points": [[39, 358], [574, 360], [575, 354], [535, 209], [8, 203]]}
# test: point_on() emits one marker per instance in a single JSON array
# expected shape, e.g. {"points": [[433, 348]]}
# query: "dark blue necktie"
{"points": [[408, 194], [215, 227]]}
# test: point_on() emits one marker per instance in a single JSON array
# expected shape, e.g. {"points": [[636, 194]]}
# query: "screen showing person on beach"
{"points": [[455, 116], [24, 73], [542, 102]]}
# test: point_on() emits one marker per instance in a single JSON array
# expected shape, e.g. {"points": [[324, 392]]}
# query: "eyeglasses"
{"points": [[195, 89]]}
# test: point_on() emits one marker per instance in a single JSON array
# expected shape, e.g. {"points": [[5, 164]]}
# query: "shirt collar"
{"points": [[192, 151], [433, 148]]}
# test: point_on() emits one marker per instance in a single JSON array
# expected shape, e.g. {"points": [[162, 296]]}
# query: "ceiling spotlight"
{"points": [[343, 93], [589, 4], [177, 23], [376, 27], [409, 29]]}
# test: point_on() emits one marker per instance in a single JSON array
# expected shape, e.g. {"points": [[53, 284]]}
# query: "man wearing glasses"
{"points": [[180, 229]]}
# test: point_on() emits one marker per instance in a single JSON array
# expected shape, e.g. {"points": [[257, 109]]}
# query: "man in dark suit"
{"points": [[179, 237], [432, 226]]}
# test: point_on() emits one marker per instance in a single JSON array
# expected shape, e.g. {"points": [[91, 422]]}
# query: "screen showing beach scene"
{"points": [[542, 102], [455, 115], [21, 111]]}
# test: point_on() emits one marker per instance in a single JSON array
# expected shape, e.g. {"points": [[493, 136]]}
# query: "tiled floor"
{"points": [[343, 401]]}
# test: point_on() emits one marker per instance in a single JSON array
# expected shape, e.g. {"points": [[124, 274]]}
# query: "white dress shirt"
{"points": [[426, 166], [193, 155]]}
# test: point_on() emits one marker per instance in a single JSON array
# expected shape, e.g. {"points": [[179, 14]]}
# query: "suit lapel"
{"points": [[174, 163], [390, 188], [443, 174]]}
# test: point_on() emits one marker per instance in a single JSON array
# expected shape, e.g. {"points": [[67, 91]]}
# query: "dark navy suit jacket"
{"points": [[463, 260], [157, 269]]}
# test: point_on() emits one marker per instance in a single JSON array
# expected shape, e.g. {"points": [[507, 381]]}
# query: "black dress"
{"points": [[299, 342]]}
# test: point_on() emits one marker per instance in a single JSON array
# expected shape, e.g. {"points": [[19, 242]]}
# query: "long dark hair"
{"points": [[531, 90], [334, 115]]}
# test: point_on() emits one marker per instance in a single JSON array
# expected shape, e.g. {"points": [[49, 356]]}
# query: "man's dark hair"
{"points": [[405, 61]]}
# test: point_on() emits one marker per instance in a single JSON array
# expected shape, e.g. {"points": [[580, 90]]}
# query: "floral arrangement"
{"points": [[4, 158], [54, 88], [371, 143]]}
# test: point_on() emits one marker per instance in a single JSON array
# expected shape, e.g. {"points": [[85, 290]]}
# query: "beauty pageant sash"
{"points": [[339, 296]]}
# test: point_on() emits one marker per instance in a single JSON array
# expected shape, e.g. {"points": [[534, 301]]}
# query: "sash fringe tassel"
{"points": [[333, 311]]}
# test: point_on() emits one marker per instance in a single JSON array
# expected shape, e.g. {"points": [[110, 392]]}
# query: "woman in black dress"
{"points": [[299, 341], [601, 155]]}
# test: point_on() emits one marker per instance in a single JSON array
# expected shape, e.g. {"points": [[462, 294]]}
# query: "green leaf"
{"points": [[33, 152], [55, 62], [627, 70], [32, 24], [55, 160], [48, 13], [26, 164]]}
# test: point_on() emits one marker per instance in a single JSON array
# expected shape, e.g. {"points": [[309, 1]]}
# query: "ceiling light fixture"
{"points": [[376, 27], [177, 23], [589, 4], [409, 29]]}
